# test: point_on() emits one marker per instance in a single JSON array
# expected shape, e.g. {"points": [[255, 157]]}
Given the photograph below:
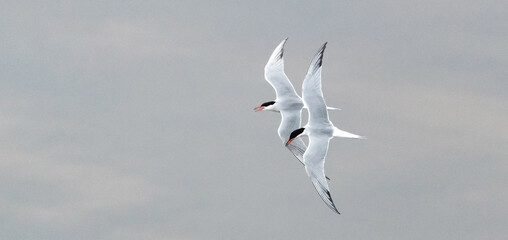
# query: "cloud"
{"points": [[123, 119], [52, 190]]}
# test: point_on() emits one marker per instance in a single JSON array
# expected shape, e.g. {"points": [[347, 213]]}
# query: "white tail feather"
{"points": [[340, 133]]}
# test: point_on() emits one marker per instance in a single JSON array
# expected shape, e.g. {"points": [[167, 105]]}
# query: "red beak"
{"points": [[257, 109], [289, 141]]}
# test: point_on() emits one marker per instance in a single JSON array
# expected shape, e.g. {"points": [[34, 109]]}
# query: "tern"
{"points": [[287, 101], [319, 129]]}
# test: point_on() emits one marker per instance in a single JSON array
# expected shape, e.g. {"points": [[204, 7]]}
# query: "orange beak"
{"points": [[257, 109], [289, 141]]}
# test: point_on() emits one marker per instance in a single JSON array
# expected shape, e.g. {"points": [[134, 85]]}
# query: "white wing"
{"points": [[315, 167], [274, 73], [311, 90], [297, 147], [291, 120]]}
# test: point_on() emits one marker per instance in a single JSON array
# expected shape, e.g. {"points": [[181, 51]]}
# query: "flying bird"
{"points": [[287, 101], [319, 129]]}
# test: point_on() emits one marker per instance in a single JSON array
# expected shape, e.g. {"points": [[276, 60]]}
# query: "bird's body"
{"points": [[319, 129], [287, 101]]}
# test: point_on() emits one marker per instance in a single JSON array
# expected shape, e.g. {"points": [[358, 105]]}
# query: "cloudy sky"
{"points": [[133, 120]]}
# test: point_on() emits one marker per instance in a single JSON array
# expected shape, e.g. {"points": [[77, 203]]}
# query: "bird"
{"points": [[287, 101], [319, 130]]}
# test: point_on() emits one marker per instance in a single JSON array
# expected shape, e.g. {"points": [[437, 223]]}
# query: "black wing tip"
{"points": [[319, 58], [281, 52], [335, 210], [323, 47], [332, 206], [321, 52], [327, 195]]}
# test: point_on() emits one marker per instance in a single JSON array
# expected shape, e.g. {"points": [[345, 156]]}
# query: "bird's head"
{"points": [[296, 133], [267, 106]]}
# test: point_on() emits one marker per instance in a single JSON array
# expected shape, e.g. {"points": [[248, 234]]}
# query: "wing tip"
{"points": [[321, 52], [277, 55], [318, 59], [325, 195], [332, 204], [281, 51]]}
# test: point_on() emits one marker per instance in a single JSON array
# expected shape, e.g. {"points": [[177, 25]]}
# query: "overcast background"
{"points": [[133, 120]]}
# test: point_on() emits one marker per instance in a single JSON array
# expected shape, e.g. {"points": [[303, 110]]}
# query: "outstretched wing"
{"points": [[311, 90], [274, 73], [315, 166]]}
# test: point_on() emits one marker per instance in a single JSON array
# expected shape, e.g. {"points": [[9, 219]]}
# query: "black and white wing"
{"points": [[314, 157], [274, 73], [311, 90], [315, 167], [291, 120]]}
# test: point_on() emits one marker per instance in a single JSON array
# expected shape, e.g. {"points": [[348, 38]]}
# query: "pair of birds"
{"points": [[319, 128]]}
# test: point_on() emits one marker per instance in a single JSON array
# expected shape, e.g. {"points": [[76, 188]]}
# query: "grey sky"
{"points": [[133, 120]]}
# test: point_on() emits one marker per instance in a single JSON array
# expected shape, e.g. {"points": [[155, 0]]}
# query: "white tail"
{"points": [[339, 133], [327, 108], [332, 108]]}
